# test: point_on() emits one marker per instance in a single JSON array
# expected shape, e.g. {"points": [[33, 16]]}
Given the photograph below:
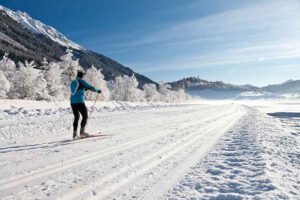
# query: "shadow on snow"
{"points": [[48, 145]]}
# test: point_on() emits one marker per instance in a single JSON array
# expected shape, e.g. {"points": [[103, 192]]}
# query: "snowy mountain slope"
{"points": [[7, 39], [212, 149], [227, 94], [38, 27], [219, 90], [24, 43], [290, 86], [194, 83]]}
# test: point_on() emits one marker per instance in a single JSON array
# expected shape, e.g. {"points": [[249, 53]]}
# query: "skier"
{"points": [[78, 87]]}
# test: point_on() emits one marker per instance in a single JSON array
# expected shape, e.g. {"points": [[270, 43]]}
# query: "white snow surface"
{"points": [[194, 150], [38, 27]]}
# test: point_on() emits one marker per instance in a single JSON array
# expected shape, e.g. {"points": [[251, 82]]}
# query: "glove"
{"points": [[99, 91]]}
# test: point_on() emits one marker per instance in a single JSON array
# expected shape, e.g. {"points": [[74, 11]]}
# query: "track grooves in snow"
{"points": [[245, 164], [36, 175], [161, 187], [58, 124], [105, 186], [205, 151]]}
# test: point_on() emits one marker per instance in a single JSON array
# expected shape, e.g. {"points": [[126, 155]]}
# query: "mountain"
{"points": [[25, 38], [290, 86], [38, 27], [220, 90], [216, 89], [193, 83]]}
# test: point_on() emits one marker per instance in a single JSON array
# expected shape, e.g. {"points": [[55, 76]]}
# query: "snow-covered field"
{"points": [[197, 150]]}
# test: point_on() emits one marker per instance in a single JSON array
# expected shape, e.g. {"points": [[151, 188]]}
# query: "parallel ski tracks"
{"points": [[17, 182], [106, 185], [67, 119]]}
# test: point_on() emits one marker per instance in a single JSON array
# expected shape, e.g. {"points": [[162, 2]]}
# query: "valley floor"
{"points": [[203, 150]]}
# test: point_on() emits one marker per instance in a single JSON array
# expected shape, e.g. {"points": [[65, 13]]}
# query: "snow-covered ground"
{"points": [[196, 150]]}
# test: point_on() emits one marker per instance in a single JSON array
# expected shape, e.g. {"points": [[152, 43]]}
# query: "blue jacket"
{"points": [[78, 87]]}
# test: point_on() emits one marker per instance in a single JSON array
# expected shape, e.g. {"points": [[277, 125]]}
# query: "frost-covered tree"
{"points": [[51, 81], [28, 83], [4, 85], [96, 78], [54, 82], [180, 95], [133, 93], [126, 89], [69, 68], [40, 92], [45, 64], [166, 93], [7, 66], [151, 93]]}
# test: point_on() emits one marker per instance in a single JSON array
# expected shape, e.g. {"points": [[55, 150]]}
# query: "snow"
{"points": [[194, 150], [38, 27], [231, 94], [255, 160], [228, 94]]}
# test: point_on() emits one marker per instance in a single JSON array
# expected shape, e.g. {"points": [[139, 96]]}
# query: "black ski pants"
{"points": [[79, 108]]}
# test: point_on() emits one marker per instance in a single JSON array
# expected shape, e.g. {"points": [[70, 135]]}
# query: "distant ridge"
{"points": [[194, 83], [290, 86]]}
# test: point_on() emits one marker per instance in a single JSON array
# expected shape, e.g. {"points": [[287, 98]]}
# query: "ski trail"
{"points": [[50, 125], [164, 184], [46, 148], [252, 161], [35, 175], [115, 180]]}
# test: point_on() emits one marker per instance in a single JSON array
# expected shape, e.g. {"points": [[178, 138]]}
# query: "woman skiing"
{"points": [[78, 86]]}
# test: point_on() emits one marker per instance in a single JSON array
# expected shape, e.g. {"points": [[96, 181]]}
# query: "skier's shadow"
{"points": [[49, 145]]}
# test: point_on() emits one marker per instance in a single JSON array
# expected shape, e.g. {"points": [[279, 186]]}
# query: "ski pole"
{"points": [[93, 107]]}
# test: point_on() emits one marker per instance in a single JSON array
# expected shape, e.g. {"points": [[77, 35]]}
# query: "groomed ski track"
{"points": [[143, 154]]}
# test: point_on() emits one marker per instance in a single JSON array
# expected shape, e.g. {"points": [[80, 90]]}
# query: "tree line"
{"points": [[51, 80]]}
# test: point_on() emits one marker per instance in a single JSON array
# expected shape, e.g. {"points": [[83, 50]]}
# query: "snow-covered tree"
{"points": [[133, 93], [7, 66], [4, 85], [40, 92], [28, 83], [180, 95], [151, 93], [166, 93], [96, 78], [51, 81], [69, 68], [126, 89], [54, 82], [45, 64]]}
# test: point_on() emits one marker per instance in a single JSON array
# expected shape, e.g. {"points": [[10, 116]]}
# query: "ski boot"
{"points": [[83, 134], [75, 137]]}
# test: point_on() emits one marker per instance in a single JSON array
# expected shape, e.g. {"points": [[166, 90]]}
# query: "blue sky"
{"points": [[237, 41]]}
